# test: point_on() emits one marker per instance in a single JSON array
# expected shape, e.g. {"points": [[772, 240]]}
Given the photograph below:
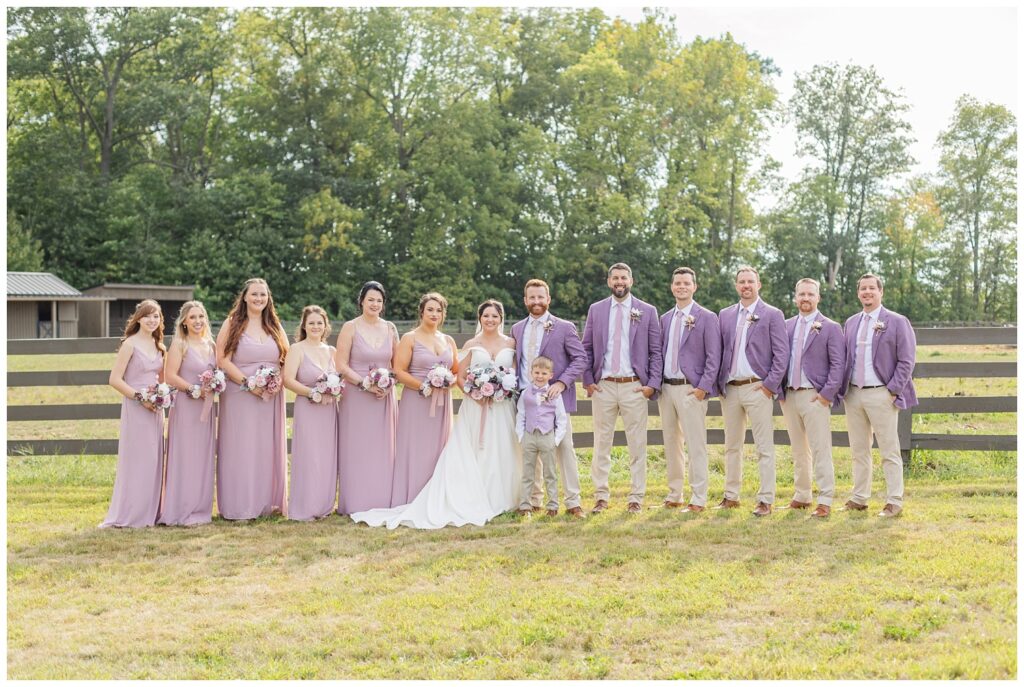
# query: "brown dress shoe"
{"points": [[537, 509], [674, 504], [822, 511], [633, 507], [797, 505], [551, 512], [576, 512], [599, 506], [762, 509], [727, 503], [692, 508], [853, 505], [524, 512], [891, 510]]}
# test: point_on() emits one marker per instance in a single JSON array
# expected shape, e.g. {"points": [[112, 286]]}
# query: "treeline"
{"points": [[465, 150]]}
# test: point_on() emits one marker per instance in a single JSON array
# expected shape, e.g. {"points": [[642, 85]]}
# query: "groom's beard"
{"points": [[620, 292], [538, 309]]}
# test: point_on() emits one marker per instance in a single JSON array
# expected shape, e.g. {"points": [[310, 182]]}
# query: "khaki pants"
{"points": [[810, 436], [683, 419], [542, 446], [739, 403], [568, 467], [871, 411], [612, 400]]}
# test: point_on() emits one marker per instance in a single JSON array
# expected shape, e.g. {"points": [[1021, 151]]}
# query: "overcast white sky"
{"points": [[934, 54]]}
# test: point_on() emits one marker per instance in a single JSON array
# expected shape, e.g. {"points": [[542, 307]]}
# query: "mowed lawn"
{"points": [[659, 595]]}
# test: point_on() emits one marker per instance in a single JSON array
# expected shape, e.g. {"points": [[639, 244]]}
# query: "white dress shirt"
{"points": [[870, 376], [794, 344], [743, 368], [674, 323], [524, 366], [625, 366]]}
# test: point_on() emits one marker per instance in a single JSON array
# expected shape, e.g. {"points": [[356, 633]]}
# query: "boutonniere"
{"points": [[879, 327], [752, 318], [690, 320], [634, 314], [548, 326], [815, 327]]}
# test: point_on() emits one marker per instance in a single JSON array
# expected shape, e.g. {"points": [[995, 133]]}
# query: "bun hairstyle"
{"points": [[132, 327], [181, 325], [239, 317], [491, 303], [433, 296], [300, 332], [371, 286]]}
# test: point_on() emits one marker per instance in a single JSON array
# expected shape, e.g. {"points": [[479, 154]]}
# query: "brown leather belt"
{"points": [[799, 388], [621, 380], [876, 386], [674, 382], [741, 382]]}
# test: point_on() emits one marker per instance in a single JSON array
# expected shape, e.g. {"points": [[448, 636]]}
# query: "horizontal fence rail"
{"points": [[939, 336]]}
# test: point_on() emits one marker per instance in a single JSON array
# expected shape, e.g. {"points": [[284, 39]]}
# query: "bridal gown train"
{"points": [[478, 473]]}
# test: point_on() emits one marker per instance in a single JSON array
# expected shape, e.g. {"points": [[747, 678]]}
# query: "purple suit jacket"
{"points": [[563, 346], [824, 357], [894, 351], [700, 348], [644, 342], [767, 346]]}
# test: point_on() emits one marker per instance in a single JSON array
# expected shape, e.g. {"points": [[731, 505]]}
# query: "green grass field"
{"points": [[721, 595]]}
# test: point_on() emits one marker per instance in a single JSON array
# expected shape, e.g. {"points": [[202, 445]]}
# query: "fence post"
{"points": [[904, 425]]}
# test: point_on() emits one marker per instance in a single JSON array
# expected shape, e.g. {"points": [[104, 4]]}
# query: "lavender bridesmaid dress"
{"points": [[191, 442], [423, 428], [251, 457], [140, 451], [314, 477], [366, 435]]}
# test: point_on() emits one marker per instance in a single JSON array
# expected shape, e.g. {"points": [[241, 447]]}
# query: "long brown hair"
{"points": [[239, 317], [300, 333], [437, 298], [132, 327]]}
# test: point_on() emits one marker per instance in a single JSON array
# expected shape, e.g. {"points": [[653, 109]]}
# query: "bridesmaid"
{"points": [[366, 419], [140, 446], [423, 423], [251, 457], [191, 440], [314, 477]]}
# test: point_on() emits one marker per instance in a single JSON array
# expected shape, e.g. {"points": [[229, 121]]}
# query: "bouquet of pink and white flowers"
{"points": [[380, 377], [211, 381], [490, 382], [267, 380], [328, 384], [160, 395], [438, 377]]}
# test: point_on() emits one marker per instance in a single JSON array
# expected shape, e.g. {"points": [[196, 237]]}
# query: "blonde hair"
{"points": [[181, 326], [543, 363]]}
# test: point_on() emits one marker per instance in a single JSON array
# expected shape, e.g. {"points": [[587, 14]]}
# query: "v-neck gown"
{"points": [[251, 457], [140, 451], [366, 434], [314, 476], [423, 427], [191, 444]]}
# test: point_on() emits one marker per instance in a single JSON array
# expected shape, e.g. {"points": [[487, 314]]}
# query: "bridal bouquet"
{"points": [[267, 379], [438, 377], [160, 395], [211, 381], [490, 382], [380, 377], [328, 384]]}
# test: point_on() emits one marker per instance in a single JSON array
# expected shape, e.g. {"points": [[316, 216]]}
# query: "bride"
{"points": [[478, 473]]}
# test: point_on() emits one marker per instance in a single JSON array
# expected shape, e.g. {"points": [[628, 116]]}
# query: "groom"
{"points": [[541, 333]]}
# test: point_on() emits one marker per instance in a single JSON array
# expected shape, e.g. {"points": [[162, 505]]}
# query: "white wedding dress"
{"points": [[478, 473]]}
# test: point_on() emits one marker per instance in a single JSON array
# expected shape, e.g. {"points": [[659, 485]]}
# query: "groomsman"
{"points": [[541, 333], [755, 353], [622, 339], [880, 353], [692, 342], [817, 365]]}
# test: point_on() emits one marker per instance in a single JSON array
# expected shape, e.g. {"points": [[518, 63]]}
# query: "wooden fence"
{"points": [[908, 439]]}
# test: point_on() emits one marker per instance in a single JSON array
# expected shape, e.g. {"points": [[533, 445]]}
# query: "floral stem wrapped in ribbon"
{"points": [[211, 384], [438, 378], [489, 383]]}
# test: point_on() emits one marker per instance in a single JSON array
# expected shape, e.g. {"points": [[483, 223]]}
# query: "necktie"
{"points": [[677, 325], [741, 320], [531, 345], [862, 347], [797, 376], [617, 344]]}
